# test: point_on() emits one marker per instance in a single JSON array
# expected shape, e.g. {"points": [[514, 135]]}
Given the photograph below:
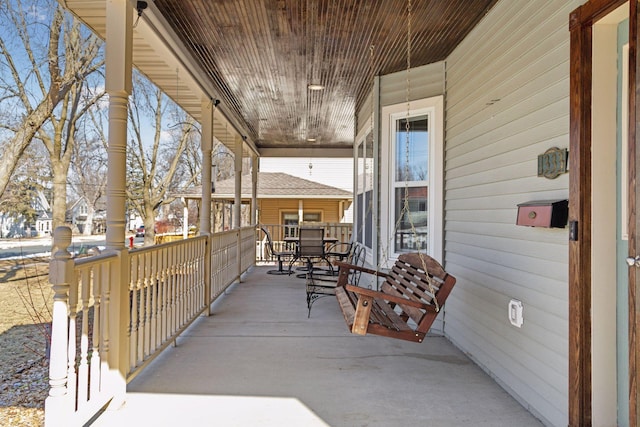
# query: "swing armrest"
{"points": [[388, 297], [345, 268]]}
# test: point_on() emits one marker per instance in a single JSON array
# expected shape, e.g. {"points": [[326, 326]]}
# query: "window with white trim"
{"points": [[413, 176]]}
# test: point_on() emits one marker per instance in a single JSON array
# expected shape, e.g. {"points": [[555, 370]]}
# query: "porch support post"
{"points": [[185, 218], [207, 147], [300, 212], [255, 160], [118, 54], [208, 109], [580, 411], [237, 207]]}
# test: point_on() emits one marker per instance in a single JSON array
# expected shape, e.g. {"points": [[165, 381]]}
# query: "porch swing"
{"points": [[415, 289]]}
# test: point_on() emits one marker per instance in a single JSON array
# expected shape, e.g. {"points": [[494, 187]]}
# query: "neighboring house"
{"points": [[282, 199], [44, 224], [14, 227], [76, 214], [80, 216]]}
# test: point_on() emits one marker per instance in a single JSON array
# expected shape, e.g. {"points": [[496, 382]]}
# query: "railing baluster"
{"points": [[163, 300], [71, 355], [133, 310], [147, 305], [83, 367], [153, 298], [94, 364]]}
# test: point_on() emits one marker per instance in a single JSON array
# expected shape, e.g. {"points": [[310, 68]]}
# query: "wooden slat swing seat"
{"points": [[408, 302]]}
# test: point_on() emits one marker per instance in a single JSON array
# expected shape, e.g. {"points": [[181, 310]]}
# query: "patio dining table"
{"points": [[295, 240]]}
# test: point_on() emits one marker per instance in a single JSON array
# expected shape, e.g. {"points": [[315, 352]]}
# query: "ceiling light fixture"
{"points": [[311, 139], [315, 87]]}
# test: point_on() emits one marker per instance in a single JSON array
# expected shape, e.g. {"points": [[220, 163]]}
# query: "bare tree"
{"points": [[59, 138], [89, 166], [30, 182], [37, 74], [154, 159]]}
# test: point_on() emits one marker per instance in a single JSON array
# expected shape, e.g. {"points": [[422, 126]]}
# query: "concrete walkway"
{"points": [[259, 361]]}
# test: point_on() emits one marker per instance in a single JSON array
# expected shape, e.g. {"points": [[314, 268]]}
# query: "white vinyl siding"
{"points": [[507, 101], [425, 82]]}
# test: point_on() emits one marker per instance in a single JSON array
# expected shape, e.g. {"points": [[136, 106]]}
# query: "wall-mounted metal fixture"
{"points": [[543, 213], [553, 162], [140, 6]]}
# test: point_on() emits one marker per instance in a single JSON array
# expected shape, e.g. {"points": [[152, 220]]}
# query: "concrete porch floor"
{"points": [[259, 361]]}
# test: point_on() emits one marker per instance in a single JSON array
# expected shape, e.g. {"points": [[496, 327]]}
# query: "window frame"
{"points": [[433, 108]]}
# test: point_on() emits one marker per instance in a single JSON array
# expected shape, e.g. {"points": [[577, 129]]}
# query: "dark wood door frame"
{"points": [[580, 387]]}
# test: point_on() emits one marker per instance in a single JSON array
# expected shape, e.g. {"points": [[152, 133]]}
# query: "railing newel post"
{"points": [[207, 274], [59, 404]]}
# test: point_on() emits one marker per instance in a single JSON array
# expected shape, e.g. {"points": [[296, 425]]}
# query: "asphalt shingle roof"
{"points": [[273, 185]]}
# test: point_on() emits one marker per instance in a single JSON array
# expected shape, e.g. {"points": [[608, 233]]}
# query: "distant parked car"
{"points": [[140, 231]]}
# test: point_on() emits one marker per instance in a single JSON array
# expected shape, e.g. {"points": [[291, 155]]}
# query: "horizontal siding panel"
{"points": [[516, 157], [364, 115], [541, 250], [509, 104], [505, 201], [424, 82], [504, 73], [479, 216], [513, 186], [544, 107], [517, 44], [503, 262], [489, 39], [533, 142], [552, 236], [513, 169]]}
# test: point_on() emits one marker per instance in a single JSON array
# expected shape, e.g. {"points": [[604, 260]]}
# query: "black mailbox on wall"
{"points": [[543, 213]]}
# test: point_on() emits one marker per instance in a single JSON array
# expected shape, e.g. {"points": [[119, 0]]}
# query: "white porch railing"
{"points": [[166, 292], [113, 313]]}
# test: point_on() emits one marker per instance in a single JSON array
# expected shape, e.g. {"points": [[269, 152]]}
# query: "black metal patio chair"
{"points": [[280, 256]]}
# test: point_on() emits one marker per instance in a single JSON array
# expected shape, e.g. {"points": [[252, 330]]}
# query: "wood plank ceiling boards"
{"points": [[263, 54]]}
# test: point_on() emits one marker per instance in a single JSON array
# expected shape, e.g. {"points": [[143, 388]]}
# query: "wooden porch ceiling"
{"points": [[262, 55], [259, 56]]}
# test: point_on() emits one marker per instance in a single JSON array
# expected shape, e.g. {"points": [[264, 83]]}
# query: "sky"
{"points": [[336, 172]]}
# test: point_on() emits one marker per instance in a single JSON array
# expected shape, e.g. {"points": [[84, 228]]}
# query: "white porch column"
{"points": [[118, 57], [255, 160], [300, 212], [237, 207], [206, 144], [118, 54]]}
